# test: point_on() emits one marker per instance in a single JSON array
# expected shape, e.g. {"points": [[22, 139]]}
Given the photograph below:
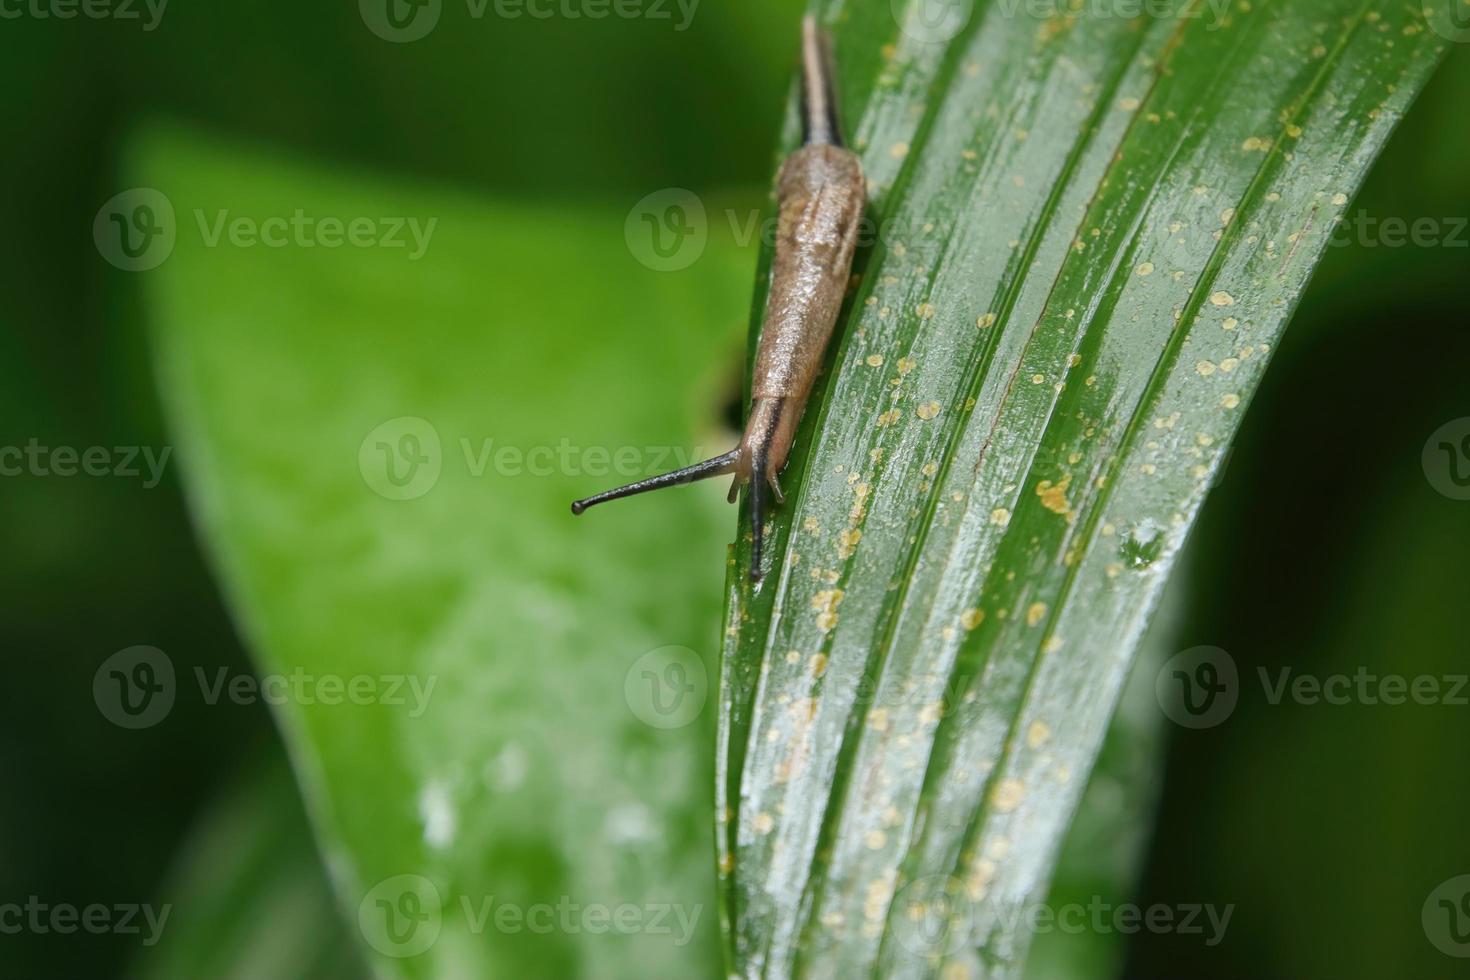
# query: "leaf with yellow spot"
{"points": [[1196, 159]]}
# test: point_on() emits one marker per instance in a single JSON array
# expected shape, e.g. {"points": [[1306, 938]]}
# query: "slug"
{"points": [[821, 195]]}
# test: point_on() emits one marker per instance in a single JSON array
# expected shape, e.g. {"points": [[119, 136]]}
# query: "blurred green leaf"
{"points": [[1093, 232], [522, 352], [248, 896]]}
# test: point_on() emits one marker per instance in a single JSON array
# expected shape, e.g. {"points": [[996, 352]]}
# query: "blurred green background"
{"points": [[1324, 549]]}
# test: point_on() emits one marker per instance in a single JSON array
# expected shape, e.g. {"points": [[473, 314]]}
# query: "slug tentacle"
{"points": [[819, 122], [728, 463]]}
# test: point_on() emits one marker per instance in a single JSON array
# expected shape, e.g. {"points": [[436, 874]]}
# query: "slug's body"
{"points": [[821, 196]]}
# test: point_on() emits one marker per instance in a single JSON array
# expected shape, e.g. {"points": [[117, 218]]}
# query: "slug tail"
{"points": [[819, 122], [727, 463]]}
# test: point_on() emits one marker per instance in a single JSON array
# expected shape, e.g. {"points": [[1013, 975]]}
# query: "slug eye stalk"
{"points": [[689, 474]]}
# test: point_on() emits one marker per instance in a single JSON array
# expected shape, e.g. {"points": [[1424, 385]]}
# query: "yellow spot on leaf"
{"points": [[825, 605], [1054, 495], [1007, 795], [1037, 734]]}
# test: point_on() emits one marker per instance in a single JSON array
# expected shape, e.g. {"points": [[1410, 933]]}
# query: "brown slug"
{"points": [[820, 194]]}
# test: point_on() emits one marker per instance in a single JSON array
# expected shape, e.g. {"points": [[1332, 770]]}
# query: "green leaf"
{"points": [[1094, 230], [248, 896], [524, 341], [1099, 863]]}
